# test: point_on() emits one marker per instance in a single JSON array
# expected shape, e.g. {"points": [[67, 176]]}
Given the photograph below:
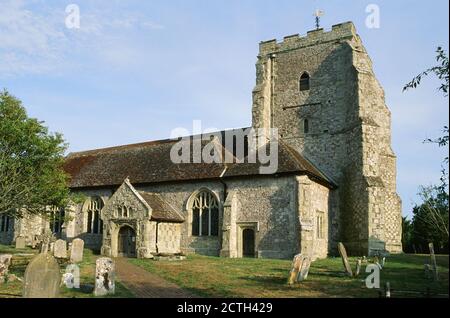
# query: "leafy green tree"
{"points": [[31, 161], [407, 235], [430, 220]]}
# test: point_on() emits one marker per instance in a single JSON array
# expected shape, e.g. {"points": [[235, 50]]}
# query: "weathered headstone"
{"points": [[105, 277], [71, 278], [5, 261], [433, 262], [76, 251], [303, 274], [20, 242], [358, 267], [60, 249], [343, 253], [42, 278], [295, 268]]}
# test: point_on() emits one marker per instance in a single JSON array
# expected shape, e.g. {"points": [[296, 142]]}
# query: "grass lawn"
{"points": [[223, 277], [87, 273]]}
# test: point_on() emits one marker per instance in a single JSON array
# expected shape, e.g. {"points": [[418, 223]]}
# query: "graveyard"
{"points": [[207, 276]]}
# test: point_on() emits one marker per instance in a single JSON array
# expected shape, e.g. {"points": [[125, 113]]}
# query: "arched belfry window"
{"points": [[205, 214], [94, 222], [304, 82]]}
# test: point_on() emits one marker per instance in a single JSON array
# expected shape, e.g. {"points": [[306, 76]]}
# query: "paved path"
{"points": [[147, 285]]}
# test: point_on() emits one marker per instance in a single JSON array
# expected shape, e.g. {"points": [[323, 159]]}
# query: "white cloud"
{"points": [[37, 41]]}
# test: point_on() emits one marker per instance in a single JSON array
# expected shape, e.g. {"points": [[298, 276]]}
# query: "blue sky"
{"points": [[135, 70]]}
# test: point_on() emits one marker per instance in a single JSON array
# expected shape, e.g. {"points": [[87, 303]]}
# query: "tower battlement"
{"points": [[338, 32]]}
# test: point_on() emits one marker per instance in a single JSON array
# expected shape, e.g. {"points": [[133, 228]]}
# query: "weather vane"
{"points": [[318, 13]]}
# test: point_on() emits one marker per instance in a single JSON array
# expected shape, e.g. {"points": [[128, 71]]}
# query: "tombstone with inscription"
{"points": [[343, 253], [60, 249], [105, 277], [20, 242], [42, 278], [76, 251]]}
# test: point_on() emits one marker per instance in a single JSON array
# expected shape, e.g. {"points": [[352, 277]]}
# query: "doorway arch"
{"points": [[126, 242]]}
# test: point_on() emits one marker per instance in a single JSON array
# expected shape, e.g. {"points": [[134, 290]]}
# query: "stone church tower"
{"points": [[321, 93]]}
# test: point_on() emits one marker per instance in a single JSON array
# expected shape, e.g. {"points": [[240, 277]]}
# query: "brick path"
{"points": [[147, 285]]}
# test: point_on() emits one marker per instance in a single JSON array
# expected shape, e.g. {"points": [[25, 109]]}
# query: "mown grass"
{"points": [[222, 277], [87, 275]]}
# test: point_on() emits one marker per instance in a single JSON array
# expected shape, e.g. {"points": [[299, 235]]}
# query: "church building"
{"points": [[335, 179]]}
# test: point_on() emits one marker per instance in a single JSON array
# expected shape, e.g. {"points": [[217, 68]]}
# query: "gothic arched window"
{"points": [[304, 82], [205, 215], [56, 219], [94, 221]]}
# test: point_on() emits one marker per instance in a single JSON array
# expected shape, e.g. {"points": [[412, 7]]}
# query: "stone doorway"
{"points": [[126, 242], [248, 243]]}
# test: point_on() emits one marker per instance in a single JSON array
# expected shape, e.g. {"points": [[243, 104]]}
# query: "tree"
{"points": [[31, 160], [430, 220], [407, 235]]}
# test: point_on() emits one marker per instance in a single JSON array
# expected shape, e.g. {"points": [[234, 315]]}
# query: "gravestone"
{"points": [[105, 277], [358, 267], [42, 278], [60, 249], [433, 262], [296, 267], [304, 271], [5, 261], [344, 257], [71, 278], [76, 251], [20, 242]]}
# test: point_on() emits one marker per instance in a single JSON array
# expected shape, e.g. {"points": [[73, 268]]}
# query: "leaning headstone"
{"points": [[433, 262], [105, 277], [295, 268], [304, 271], [42, 278], [5, 261], [20, 242], [76, 251], [358, 267], [344, 257], [60, 249]]}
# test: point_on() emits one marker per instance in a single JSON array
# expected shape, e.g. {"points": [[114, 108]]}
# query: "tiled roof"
{"points": [[149, 162], [161, 210]]}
